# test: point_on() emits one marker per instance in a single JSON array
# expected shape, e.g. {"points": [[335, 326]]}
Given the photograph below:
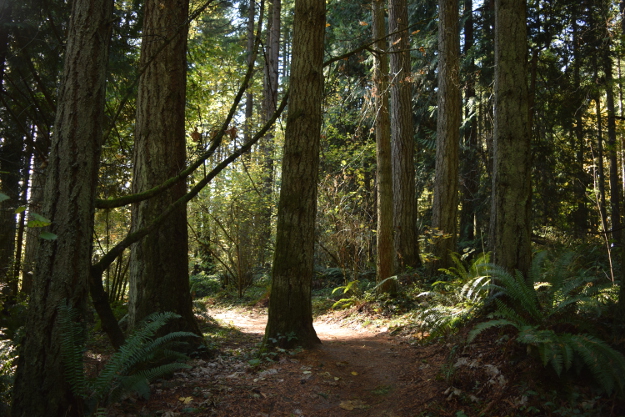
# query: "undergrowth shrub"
{"points": [[453, 301], [143, 358], [550, 299]]}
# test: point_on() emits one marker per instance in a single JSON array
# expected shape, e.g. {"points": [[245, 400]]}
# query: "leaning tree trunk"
{"points": [[445, 207], [511, 200], [159, 277], [62, 273], [290, 308], [385, 251], [404, 189]]}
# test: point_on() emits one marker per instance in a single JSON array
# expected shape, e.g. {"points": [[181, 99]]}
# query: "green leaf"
{"points": [[48, 236], [38, 221], [20, 209], [3, 197]]}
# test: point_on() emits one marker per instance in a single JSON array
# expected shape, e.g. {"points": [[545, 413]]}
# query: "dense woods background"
{"points": [[145, 149]]}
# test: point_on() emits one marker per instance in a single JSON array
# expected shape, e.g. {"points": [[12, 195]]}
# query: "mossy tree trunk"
{"points": [[290, 309], [62, 272], [159, 277], [511, 198]]}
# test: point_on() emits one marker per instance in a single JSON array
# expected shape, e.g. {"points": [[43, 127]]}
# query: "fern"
{"points": [[72, 349], [547, 298], [463, 295], [120, 374]]}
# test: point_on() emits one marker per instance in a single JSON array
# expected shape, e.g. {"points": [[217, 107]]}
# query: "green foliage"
{"points": [[203, 285], [8, 365], [129, 370], [453, 301], [537, 309], [357, 290]]}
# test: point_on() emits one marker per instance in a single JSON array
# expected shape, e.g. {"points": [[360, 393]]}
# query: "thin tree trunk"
{"points": [[469, 186], [615, 192], [270, 103]]}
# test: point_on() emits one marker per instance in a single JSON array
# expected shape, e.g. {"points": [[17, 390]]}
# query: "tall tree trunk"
{"points": [[615, 191], [6, 11], [290, 309], [62, 273], [159, 278], [245, 246], [385, 251], [600, 177], [580, 216], [32, 234], [511, 200], [11, 152], [445, 207], [469, 186], [270, 103], [404, 188]]}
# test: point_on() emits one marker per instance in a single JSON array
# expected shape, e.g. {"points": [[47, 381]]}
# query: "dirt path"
{"points": [[355, 372]]}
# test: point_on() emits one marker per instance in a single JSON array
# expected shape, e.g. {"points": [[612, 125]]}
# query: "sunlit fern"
{"points": [[455, 300], [128, 370]]}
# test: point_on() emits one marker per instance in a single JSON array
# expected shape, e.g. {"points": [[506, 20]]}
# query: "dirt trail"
{"points": [[356, 372]]}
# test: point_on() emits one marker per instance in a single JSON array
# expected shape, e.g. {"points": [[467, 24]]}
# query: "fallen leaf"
{"points": [[352, 405], [354, 373], [185, 400]]}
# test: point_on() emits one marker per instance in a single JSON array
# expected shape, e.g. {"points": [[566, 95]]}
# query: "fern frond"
{"points": [[606, 364], [535, 272], [476, 289], [480, 327], [72, 348]]}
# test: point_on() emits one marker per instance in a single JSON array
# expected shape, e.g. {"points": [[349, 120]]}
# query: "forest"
{"points": [[449, 175]]}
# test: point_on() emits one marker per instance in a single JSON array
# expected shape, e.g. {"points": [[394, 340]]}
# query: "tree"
{"points": [[445, 207], [385, 251], [270, 102], [511, 194], [405, 207], [469, 186], [290, 310], [159, 278], [62, 273]]}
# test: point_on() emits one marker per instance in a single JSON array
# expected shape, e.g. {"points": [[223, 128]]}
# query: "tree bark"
{"points": [[469, 185], [290, 309], [159, 277], [511, 199], [615, 192], [270, 103], [445, 207], [385, 251], [62, 274], [404, 188]]}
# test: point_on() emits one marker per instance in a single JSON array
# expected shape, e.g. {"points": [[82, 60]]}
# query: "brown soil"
{"points": [[355, 372]]}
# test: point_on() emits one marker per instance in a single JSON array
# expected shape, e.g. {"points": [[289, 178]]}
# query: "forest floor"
{"points": [[358, 370]]}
